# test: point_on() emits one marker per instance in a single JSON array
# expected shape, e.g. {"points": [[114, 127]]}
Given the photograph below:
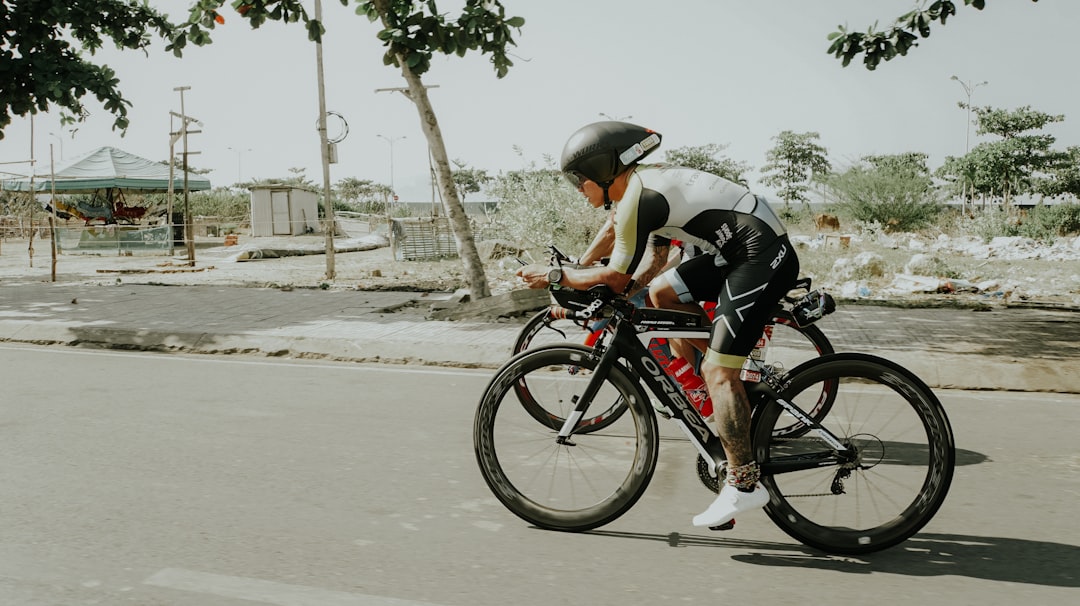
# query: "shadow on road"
{"points": [[990, 558]]}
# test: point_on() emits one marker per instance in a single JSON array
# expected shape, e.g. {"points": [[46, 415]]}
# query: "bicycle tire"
{"points": [[787, 351], [574, 486], [900, 478], [562, 330]]}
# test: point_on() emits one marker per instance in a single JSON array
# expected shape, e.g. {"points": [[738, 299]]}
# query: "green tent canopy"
{"points": [[110, 168]]}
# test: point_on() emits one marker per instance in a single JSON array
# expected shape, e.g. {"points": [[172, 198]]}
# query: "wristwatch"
{"points": [[554, 275]]}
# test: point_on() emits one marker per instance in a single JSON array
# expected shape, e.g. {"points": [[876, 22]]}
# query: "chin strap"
{"points": [[607, 199]]}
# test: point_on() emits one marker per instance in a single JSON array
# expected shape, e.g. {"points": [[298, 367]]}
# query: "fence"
{"points": [[74, 237], [414, 239]]}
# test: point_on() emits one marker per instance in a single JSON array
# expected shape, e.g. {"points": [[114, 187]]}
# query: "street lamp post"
{"points": [[969, 89], [61, 141], [239, 163], [391, 140], [431, 168]]}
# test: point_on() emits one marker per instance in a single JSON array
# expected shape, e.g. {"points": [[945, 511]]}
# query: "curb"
{"points": [[469, 345]]}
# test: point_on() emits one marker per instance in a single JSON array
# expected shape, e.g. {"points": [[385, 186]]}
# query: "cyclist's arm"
{"points": [[655, 264], [536, 276], [601, 245], [656, 259]]}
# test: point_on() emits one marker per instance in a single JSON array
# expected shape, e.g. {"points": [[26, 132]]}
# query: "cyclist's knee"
{"points": [[722, 368], [661, 294]]}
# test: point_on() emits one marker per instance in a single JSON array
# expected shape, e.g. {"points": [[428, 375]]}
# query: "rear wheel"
{"points": [[544, 329], [584, 482], [892, 480], [792, 345]]}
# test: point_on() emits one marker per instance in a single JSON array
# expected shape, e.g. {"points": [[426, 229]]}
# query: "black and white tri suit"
{"points": [[747, 264]]}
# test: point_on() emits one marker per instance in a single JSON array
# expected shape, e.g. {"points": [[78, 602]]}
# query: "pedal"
{"points": [[724, 526]]}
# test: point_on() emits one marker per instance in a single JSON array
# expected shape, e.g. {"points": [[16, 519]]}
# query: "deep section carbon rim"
{"points": [[576, 486], [900, 466]]}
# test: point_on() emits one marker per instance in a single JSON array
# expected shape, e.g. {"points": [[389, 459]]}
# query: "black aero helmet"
{"points": [[601, 150]]}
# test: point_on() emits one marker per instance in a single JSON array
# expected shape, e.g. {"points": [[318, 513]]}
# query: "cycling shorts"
{"points": [[746, 295]]}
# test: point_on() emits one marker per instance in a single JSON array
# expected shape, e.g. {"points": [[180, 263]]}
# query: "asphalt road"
{"points": [[162, 479]]}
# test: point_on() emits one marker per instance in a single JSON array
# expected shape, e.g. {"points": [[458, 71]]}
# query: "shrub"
{"points": [[895, 191], [1044, 223], [537, 208]]}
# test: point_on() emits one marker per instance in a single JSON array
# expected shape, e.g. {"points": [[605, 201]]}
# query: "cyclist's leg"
{"points": [[670, 291], [747, 301]]}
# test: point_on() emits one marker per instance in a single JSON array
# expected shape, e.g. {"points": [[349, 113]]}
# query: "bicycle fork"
{"points": [[584, 399]]}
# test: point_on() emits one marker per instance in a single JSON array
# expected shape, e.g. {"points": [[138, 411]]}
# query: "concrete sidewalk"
{"points": [[1007, 349]]}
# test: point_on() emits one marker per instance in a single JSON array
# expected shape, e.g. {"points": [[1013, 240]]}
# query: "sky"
{"points": [[729, 72]]}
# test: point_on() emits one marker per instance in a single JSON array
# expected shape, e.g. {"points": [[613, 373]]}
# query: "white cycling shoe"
{"points": [[731, 502]]}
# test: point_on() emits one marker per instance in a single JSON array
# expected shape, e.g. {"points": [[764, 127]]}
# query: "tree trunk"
{"points": [[455, 210], [459, 222]]}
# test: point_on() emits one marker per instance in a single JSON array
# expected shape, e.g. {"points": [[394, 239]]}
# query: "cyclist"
{"points": [[747, 265]]}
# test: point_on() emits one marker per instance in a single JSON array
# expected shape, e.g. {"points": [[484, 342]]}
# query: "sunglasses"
{"points": [[575, 178]]}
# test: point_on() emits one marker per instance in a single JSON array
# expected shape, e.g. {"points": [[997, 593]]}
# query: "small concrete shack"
{"points": [[283, 210]]}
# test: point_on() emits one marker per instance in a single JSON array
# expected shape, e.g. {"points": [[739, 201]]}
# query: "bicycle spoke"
{"points": [[893, 475], [574, 486]]}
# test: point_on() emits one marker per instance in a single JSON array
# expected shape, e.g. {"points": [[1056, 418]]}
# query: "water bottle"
{"points": [[692, 385]]}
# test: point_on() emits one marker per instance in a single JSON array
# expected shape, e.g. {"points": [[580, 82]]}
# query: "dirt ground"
{"points": [[374, 269]]}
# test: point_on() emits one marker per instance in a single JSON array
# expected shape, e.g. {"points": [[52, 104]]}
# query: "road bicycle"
{"points": [[862, 478], [792, 339]]}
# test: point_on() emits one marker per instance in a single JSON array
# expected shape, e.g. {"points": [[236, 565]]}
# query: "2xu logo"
{"points": [[779, 257]]}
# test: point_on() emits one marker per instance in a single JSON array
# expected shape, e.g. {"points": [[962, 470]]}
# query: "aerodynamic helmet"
{"points": [[601, 150]]}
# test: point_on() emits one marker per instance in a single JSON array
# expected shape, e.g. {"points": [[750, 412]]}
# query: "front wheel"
{"points": [[581, 483], [894, 474]]}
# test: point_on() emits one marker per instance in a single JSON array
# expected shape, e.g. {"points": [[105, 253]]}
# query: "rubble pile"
{"points": [[931, 268]]}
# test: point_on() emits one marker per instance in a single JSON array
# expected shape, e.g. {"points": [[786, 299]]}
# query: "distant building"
{"points": [[283, 210]]}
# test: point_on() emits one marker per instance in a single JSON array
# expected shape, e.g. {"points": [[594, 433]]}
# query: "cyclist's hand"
{"points": [[535, 276]]}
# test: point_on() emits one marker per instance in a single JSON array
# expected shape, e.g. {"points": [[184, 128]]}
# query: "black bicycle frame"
{"points": [[625, 342]]}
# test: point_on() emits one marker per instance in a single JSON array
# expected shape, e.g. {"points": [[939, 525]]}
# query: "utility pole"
{"points": [[182, 134], [324, 145], [52, 206]]}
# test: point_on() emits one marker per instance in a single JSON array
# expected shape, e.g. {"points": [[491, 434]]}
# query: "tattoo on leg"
{"points": [[733, 423]]}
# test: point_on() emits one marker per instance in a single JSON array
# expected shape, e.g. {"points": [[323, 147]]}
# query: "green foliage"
{"points": [[802, 215], [1012, 164], [468, 180], [204, 16], [412, 30], [895, 191], [707, 158], [537, 207], [17, 203], [361, 195], [793, 163], [1044, 222], [876, 46], [415, 30], [43, 60], [229, 205], [1064, 175]]}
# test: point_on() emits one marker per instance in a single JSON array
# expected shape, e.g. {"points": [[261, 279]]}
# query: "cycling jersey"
{"points": [[748, 263], [700, 209]]}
